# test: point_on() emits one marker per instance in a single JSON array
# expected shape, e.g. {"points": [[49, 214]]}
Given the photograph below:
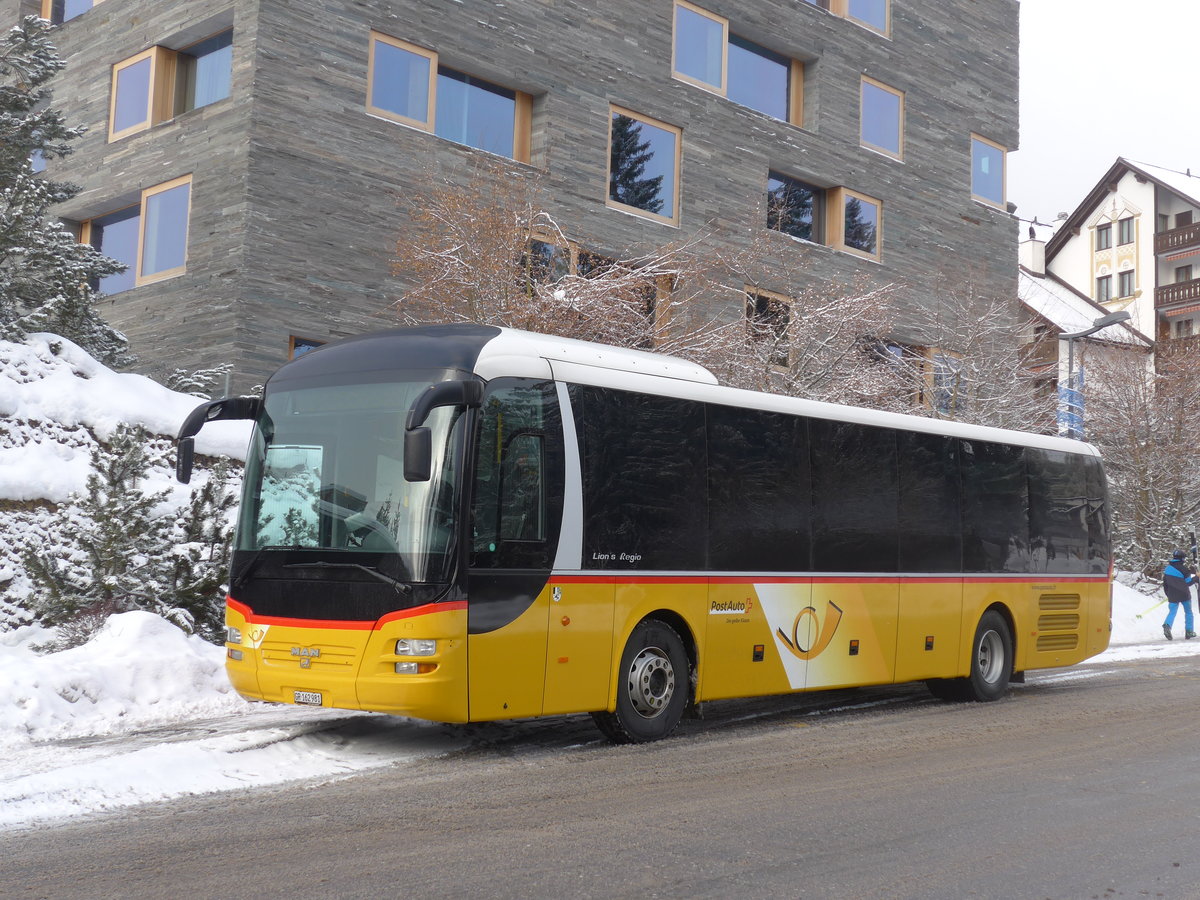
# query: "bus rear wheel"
{"points": [[653, 688], [991, 664]]}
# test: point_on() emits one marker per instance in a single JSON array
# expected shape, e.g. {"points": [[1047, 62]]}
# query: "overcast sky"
{"points": [[1102, 79]]}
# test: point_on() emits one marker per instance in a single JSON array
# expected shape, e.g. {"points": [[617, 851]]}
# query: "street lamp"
{"points": [[1073, 396]]}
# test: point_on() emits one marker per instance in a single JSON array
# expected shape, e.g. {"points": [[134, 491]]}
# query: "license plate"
{"points": [[310, 698]]}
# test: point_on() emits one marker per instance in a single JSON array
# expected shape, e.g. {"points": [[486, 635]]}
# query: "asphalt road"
{"points": [[1081, 784]]}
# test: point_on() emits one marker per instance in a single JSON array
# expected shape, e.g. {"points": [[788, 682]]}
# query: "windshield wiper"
{"points": [[400, 586], [240, 578]]}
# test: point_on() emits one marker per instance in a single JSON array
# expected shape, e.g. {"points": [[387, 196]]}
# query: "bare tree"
{"points": [[1142, 420], [487, 250]]}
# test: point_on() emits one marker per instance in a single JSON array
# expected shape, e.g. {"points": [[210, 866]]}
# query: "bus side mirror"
{"points": [[418, 440], [183, 460], [212, 411], [418, 454]]}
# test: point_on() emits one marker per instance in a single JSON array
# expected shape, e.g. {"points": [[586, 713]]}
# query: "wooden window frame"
{"points": [[723, 87], [899, 94], [842, 8], [835, 225], [85, 230], [48, 11], [1105, 280], [1104, 228], [293, 338], [673, 219], [147, 193], [988, 201], [160, 100], [779, 363], [522, 149], [1127, 276], [795, 87], [426, 124]]}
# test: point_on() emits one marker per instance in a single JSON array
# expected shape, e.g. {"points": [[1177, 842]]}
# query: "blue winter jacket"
{"points": [[1177, 579]]}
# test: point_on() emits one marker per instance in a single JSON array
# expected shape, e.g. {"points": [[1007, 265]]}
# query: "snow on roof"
{"points": [[1070, 312], [1184, 183]]}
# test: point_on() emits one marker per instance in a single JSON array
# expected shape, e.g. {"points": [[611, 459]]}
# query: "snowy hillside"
{"points": [[56, 403]]}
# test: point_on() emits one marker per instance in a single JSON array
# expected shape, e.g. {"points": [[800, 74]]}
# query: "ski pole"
{"points": [[1150, 609]]}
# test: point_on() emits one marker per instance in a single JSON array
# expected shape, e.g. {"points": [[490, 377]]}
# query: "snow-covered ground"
{"points": [[143, 712]]}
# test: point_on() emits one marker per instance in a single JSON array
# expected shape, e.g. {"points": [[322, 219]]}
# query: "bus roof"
{"points": [[492, 352]]}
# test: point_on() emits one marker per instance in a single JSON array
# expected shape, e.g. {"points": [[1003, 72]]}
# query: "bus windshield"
{"points": [[326, 472]]}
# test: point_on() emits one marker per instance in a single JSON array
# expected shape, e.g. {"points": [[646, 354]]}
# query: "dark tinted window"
{"points": [[854, 497], [1099, 547], [995, 508], [643, 480], [1058, 512], [116, 236], [930, 517], [794, 207], [758, 491], [518, 478]]}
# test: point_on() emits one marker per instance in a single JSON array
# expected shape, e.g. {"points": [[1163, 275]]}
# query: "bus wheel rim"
{"points": [[991, 657], [651, 682]]}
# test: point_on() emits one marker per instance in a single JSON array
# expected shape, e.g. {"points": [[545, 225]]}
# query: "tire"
{"points": [[653, 689], [991, 665]]}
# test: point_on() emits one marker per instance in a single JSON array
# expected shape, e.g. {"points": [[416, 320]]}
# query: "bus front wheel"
{"points": [[653, 687], [991, 664]]}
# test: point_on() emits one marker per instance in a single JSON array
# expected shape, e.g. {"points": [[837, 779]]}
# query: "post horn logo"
{"points": [[832, 618]]}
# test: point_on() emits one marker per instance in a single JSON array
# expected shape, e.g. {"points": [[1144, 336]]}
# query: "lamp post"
{"points": [[1073, 397]]}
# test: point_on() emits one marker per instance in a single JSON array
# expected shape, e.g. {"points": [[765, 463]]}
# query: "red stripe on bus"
{"points": [[342, 624], [822, 579]]}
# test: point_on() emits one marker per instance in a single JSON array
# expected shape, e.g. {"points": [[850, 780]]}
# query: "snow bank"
{"points": [[48, 379], [138, 670]]}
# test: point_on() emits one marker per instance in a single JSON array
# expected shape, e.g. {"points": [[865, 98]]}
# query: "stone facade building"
{"points": [[249, 158]]}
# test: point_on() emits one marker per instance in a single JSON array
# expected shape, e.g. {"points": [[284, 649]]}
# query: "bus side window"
{"points": [[522, 492], [518, 481]]}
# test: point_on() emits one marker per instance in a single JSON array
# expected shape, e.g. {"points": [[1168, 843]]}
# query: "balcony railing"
{"points": [[1181, 291], [1177, 239]]}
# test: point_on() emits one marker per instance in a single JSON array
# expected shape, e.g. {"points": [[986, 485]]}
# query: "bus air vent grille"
{"points": [[1059, 622], [1058, 601], [1057, 641]]}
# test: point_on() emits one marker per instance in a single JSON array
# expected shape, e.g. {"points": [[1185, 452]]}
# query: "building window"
{"points": [[987, 171], [872, 13], [116, 236], [707, 55], [1183, 219], [205, 72], [1104, 288], [1125, 231], [1125, 286], [700, 41], [406, 84], [860, 225], [1184, 328], [298, 346], [1164, 222], [37, 161], [881, 117], [795, 208], [163, 252], [150, 237], [643, 167], [1183, 273], [59, 11], [1103, 236], [767, 318], [159, 84]]}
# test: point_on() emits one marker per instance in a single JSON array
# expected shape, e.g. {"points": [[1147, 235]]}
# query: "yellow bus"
{"points": [[467, 523]]}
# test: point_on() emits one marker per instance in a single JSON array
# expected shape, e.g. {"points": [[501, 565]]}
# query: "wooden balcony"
{"points": [[1179, 292], [1177, 239]]}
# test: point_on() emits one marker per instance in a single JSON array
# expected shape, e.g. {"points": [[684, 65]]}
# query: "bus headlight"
{"points": [[415, 647], [415, 668], [232, 635]]}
